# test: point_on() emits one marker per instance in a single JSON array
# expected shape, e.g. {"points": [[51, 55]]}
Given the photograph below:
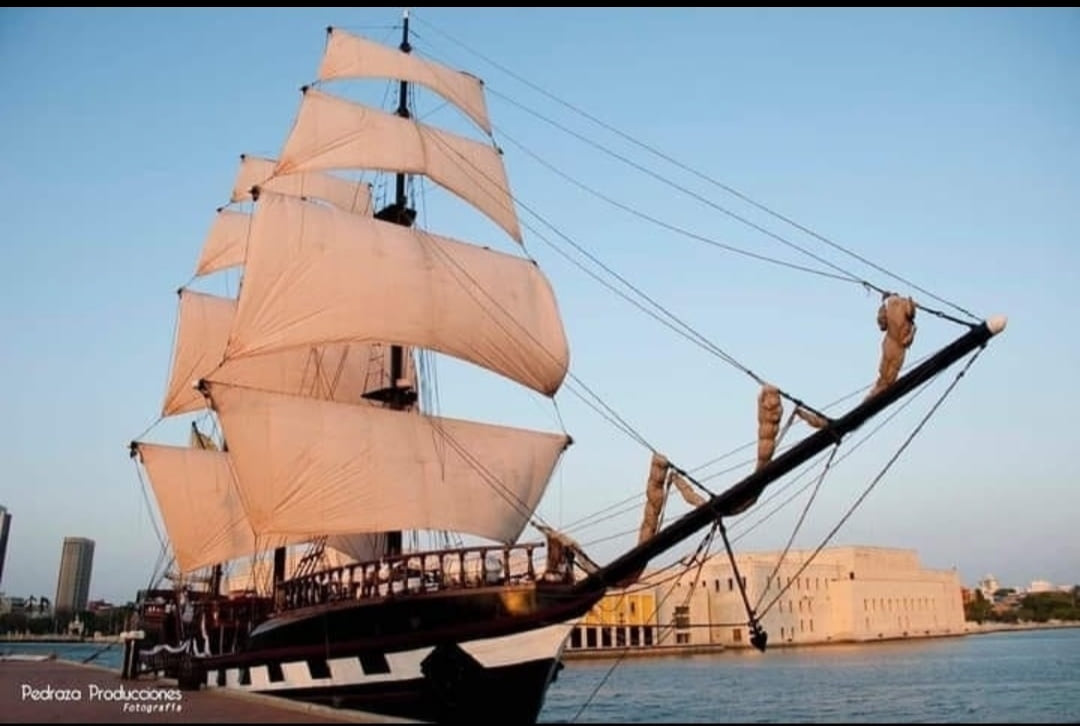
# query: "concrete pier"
{"points": [[64, 692]]}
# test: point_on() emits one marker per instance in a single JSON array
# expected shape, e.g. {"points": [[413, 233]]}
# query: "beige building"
{"points": [[846, 594]]}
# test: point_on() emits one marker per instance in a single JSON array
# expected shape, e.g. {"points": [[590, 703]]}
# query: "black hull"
{"points": [[479, 655], [507, 695]]}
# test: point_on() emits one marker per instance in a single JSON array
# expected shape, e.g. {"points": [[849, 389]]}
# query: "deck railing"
{"points": [[413, 573]]}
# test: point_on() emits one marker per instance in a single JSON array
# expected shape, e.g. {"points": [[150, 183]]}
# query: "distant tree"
{"points": [[978, 609], [1040, 607]]}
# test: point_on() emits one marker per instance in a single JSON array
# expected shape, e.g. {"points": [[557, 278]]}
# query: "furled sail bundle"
{"points": [[896, 318], [770, 411], [655, 494]]}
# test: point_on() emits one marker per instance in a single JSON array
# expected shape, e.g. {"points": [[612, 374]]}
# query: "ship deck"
{"points": [[39, 691]]}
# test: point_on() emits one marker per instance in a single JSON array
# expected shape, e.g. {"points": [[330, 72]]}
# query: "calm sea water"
{"points": [[1019, 677]]}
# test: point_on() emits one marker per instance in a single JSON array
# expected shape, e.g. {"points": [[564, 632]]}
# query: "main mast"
{"points": [[400, 394]]}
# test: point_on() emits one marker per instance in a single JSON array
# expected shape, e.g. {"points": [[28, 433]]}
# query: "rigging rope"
{"points": [[705, 544], [881, 474], [802, 518], [731, 190], [687, 330]]}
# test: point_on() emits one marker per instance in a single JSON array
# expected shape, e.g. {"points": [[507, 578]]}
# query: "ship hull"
{"points": [[502, 679]]}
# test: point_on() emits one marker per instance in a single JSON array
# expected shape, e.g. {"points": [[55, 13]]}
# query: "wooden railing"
{"points": [[412, 573]]}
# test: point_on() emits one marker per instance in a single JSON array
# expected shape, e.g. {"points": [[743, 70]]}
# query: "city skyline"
{"points": [[940, 143]]}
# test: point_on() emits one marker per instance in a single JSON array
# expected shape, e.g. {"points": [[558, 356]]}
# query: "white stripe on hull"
{"points": [[533, 645]]}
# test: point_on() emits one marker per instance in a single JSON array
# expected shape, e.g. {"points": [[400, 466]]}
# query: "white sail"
{"points": [[350, 56], [224, 245], [332, 133], [350, 196], [303, 464], [200, 506], [359, 547], [341, 372], [314, 275]]}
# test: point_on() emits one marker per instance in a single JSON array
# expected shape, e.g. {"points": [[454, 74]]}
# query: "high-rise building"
{"points": [[5, 525], [73, 583]]}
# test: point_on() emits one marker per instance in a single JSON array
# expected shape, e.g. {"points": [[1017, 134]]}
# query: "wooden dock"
{"points": [[44, 691]]}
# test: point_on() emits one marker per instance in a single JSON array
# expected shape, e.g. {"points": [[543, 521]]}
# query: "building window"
{"points": [[590, 637], [632, 603], [682, 617], [802, 626], [605, 637], [781, 632], [811, 625], [851, 575], [716, 585], [730, 584], [575, 638], [647, 634], [635, 635], [736, 635], [865, 605], [682, 638]]}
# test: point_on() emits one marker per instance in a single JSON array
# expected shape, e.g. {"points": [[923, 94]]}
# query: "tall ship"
{"points": [[332, 539]]}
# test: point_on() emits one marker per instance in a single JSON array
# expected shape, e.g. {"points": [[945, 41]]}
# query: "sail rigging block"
{"points": [[224, 245], [315, 275], [350, 56], [896, 318], [338, 371], [333, 133], [256, 171], [306, 465], [199, 505]]}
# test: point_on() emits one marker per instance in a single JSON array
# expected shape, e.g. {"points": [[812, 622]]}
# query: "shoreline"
{"points": [[665, 651]]}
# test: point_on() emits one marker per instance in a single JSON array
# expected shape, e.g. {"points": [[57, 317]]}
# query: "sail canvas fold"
{"points": [[350, 56], [340, 371], [257, 171], [333, 133], [316, 275], [199, 505], [303, 464]]}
